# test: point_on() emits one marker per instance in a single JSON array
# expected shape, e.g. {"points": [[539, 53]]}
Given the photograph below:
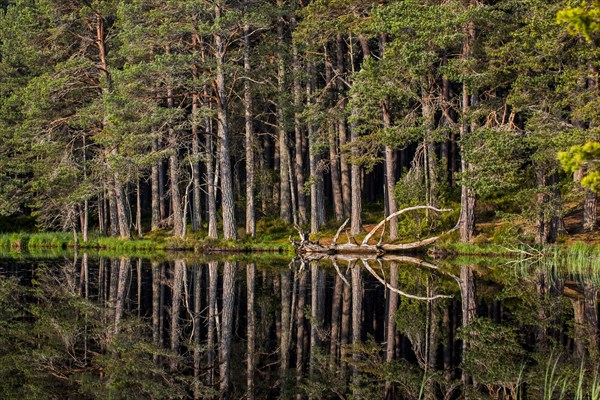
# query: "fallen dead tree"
{"points": [[306, 246]]}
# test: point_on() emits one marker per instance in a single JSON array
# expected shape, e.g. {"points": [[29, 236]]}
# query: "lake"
{"points": [[87, 326]]}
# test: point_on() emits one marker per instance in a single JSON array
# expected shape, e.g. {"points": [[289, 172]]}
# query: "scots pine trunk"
{"points": [[317, 214], [154, 190], [211, 177], [250, 214], [342, 127], [176, 210], [390, 159], [285, 212], [119, 195], [228, 205], [334, 162], [468, 196], [196, 212], [299, 133]]}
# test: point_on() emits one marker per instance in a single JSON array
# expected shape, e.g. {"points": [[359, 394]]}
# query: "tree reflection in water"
{"points": [[193, 328]]}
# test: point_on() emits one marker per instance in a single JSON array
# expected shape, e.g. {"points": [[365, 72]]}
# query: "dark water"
{"points": [[82, 326]]}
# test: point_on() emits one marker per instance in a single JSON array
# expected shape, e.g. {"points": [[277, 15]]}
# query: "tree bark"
{"points": [[342, 127], [250, 214], [228, 205], [154, 190], [334, 162], [390, 159], [196, 211], [468, 196], [590, 211], [285, 188], [299, 134]]}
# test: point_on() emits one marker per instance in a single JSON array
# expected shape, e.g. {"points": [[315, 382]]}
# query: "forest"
{"points": [[210, 116]]}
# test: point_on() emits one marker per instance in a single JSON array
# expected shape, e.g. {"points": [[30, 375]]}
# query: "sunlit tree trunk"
{"points": [[154, 190], [250, 214], [468, 196], [342, 126], [195, 161], [285, 187], [299, 132], [390, 159], [228, 206]]}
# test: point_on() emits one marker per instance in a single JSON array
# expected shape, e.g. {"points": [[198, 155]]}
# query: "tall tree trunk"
{"points": [[285, 188], [250, 214], [138, 210], [228, 205], [299, 132], [342, 127], [468, 196], [211, 196], [390, 159], [356, 173], [176, 210], [119, 195], [317, 217], [334, 162], [196, 211]]}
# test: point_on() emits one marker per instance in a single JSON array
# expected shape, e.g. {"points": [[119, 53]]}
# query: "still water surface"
{"points": [[86, 326]]}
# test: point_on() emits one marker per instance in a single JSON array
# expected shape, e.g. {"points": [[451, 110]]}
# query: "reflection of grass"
{"points": [[580, 263]]}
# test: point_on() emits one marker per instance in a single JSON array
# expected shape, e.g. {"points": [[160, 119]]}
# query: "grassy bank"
{"points": [[154, 241]]}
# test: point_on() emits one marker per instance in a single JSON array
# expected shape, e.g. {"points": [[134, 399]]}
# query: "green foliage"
{"points": [[583, 156], [584, 19]]}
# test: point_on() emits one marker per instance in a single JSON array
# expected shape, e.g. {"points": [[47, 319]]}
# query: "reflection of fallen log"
{"points": [[306, 246], [393, 258]]}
